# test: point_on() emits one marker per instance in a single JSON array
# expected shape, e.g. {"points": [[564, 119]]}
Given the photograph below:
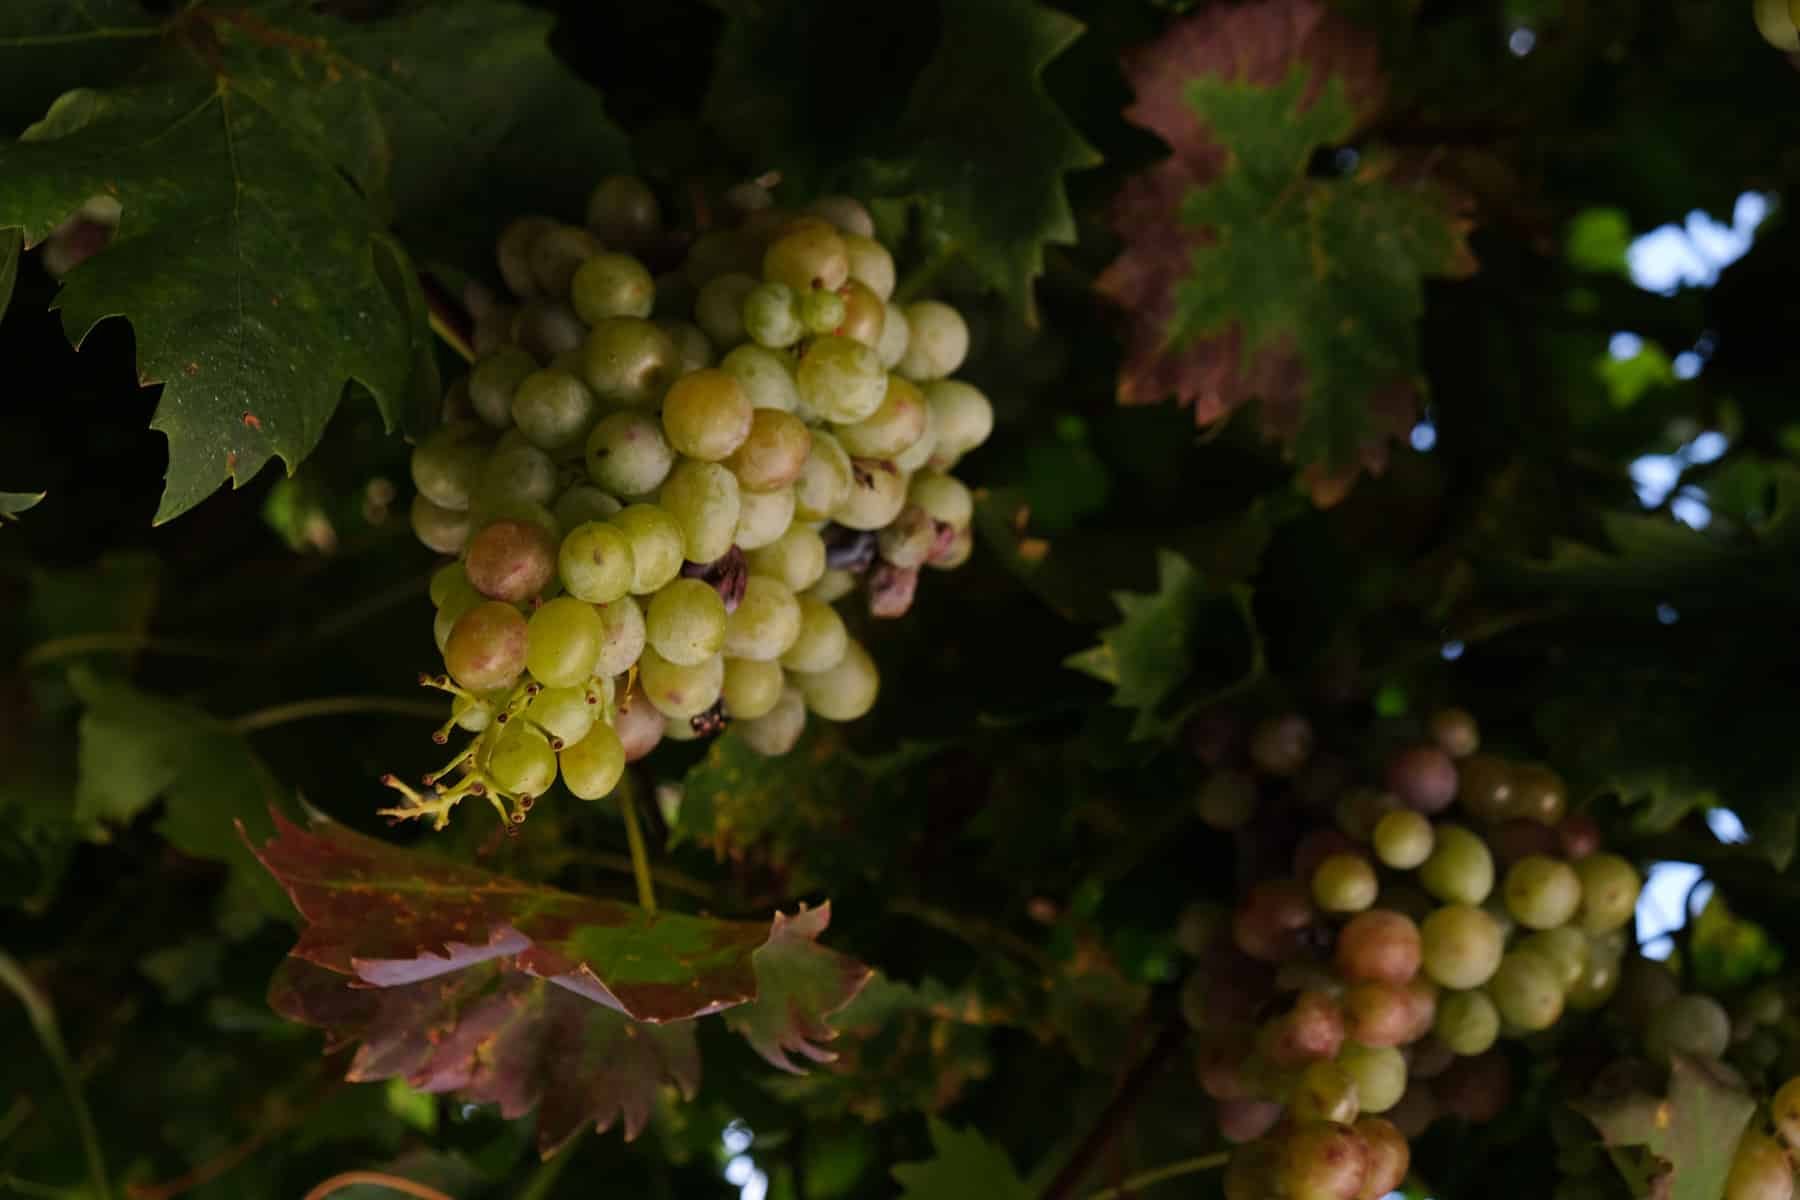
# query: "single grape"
{"points": [[938, 341], [486, 647], [553, 409], [1460, 946], [1565, 948], [706, 415], [622, 637], [623, 211], [1390, 1158], [1272, 921], [1609, 892], [567, 714], [628, 360], [680, 692], [441, 529], [752, 687], [510, 560], [833, 586], [627, 453], [771, 316], [1694, 1025], [961, 419], [765, 377], [1784, 1113], [843, 692], [796, 558], [1460, 869], [1344, 883], [472, 715], [1423, 777], [777, 731], [1323, 1161], [556, 255], [1598, 984], [1455, 731], [492, 381], [1542, 892], [878, 491], [864, 318], [821, 311], [592, 767], [944, 497], [1311, 1031], [1403, 839], [763, 517], [870, 265], [820, 643], [522, 762], [908, 542], [825, 479], [595, 562], [1280, 746], [703, 499], [1485, 786], [768, 622], [1760, 1170], [516, 472], [896, 334], [450, 585], [1379, 1014], [612, 285], [1527, 991], [686, 622], [1246, 1120], [513, 252], [548, 330], [1539, 794], [1775, 21], [811, 254], [846, 213], [1227, 800], [841, 380], [1467, 1022], [693, 349], [1379, 1073], [719, 308], [581, 503], [639, 726], [657, 545], [1325, 1092], [773, 453], [447, 465], [1380, 946]]}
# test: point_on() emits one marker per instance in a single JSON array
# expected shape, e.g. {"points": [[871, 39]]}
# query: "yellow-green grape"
{"points": [[628, 360], [557, 254], [678, 691], [772, 455], [944, 497], [938, 342], [824, 480], [841, 380], [752, 687], [1379, 1072], [1460, 869], [1760, 1169], [1527, 991], [581, 503], [768, 622], [686, 622], [877, 494], [1693, 1024], [896, 333], [1784, 1113], [833, 586], [870, 264], [441, 529], [612, 285], [472, 715], [521, 761], [628, 454], [1597, 985], [1609, 892], [1460, 946], [591, 767], [822, 311], [1542, 892], [1325, 1092], [1403, 839], [1567, 949], [553, 409], [762, 517], [447, 466], [492, 381], [595, 562], [693, 349], [765, 377], [657, 545], [865, 316], [719, 308], [796, 558], [1775, 20], [622, 211], [703, 499], [486, 647], [706, 415], [962, 418], [563, 642], [845, 691], [1467, 1022], [519, 471], [846, 213], [622, 638], [775, 732], [811, 254], [820, 643], [567, 714], [1344, 883], [771, 316]]}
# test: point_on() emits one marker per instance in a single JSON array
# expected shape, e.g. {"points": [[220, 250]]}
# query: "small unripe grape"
{"points": [[1227, 800], [592, 767], [769, 621], [1539, 794], [843, 692], [1281, 745], [1404, 839], [1693, 1024], [962, 418], [1542, 892], [773, 453], [796, 558], [840, 380], [752, 688], [944, 497], [628, 360], [685, 622], [513, 252], [1326, 1092], [510, 560], [522, 762], [1379, 1073], [1467, 1022], [1390, 1158], [825, 479], [623, 211], [810, 255], [821, 311], [557, 253], [1423, 777], [776, 732], [1609, 892], [763, 517], [765, 377], [1460, 946], [1379, 946], [1565, 948], [1455, 730], [703, 499], [1598, 983], [627, 453], [612, 285], [720, 307], [892, 428], [1527, 990], [567, 714], [678, 691], [1485, 787], [447, 465], [563, 642], [771, 316], [639, 725], [938, 341], [486, 647], [706, 415], [595, 562], [1760, 1170], [1775, 21], [1344, 883], [1324, 1161], [1460, 869], [657, 545], [870, 264], [441, 529], [821, 641]]}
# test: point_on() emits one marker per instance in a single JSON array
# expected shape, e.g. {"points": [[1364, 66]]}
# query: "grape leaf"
{"points": [[1187, 625], [964, 1166], [798, 983], [50, 46], [1243, 277], [1694, 1130], [12, 244]]}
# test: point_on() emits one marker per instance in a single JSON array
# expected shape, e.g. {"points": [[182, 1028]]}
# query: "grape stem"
{"points": [[448, 320], [394, 1183], [43, 1023], [79, 644], [334, 706], [640, 857], [1132, 1184], [1117, 1112]]}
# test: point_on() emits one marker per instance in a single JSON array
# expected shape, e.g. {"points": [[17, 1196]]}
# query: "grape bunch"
{"points": [[1395, 931], [653, 516]]}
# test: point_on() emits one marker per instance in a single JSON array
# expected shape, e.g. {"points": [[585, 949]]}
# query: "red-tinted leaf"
{"points": [[799, 984]]}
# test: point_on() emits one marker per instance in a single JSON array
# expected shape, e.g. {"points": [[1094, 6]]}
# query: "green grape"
{"points": [[774, 452], [553, 409], [1460, 869], [846, 213], [776, 732], [908, 540], [1325, 1092], [547, 329], [821, 311], [1227, 800], [833, 586], [453, 607], [612, 285], [1390, 1158], [486, 648], [1323, 1161], [1693, 1024], [441, 529], [514, 473], [719, 308], [628, 360], [622, 636], [768, 620], [1566, 948], [1760, 1169], [938, 341], [796, 558], [843, 692], [685, 622], [450, 583], [1775, 21], [1467, 1022], [771, 316], [706, 416], [811, 254], [870, 264], [595, 562], [513, 252], [1403, 839], [820, 643], [961, 417], [865, 316], [763, 517], [703, 499], [1527, 991], [580, 504], [472, 715], [1542, 892], [895, 336], [563, 642], [1539, 794], [841, 380], [1344, 883], [765, 377], [916, 456], [1597, 985], [693, 349], [1460, 946], [825, 479], [944, 497], [656, 545], [1609, 892], [1485, 787], [492, 381], [567, 714], [557, 253], [592, 767], [891, 429], [623, 211], [1784, 1113], [752, 687], [878, 491], [1379, 1073], [522, 762], [680, 692], [447, 465], [627, 453], [510, 560]]}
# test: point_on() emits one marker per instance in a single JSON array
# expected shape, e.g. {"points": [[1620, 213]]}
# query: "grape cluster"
{"points": [[1359, 988], [653, 516]]}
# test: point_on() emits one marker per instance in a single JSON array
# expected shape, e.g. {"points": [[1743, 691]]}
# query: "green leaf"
{"points": [[798, 982], [1246, 277], [1598, 240], [14, 503], [50, 46], [1187, 627], [12, 244], [964, 1166], [1694, 1130]]}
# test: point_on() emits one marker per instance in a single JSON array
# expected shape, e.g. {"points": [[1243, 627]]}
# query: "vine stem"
{"points": [[43, 1023], [124, 643], [640, 857], [394, 1183], [335, 706], [1174, 1170], [1131, 1090]]}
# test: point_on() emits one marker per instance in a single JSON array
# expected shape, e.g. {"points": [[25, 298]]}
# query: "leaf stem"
{"points": [[1117, 1112], [43, 1023], [394, 1183], [79, 644], [640, 857], [1132, 1184], [335, 706], [544, 1178]]}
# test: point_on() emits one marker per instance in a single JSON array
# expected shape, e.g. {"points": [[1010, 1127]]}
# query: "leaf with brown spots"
{"points": [[1692, 1132]]}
